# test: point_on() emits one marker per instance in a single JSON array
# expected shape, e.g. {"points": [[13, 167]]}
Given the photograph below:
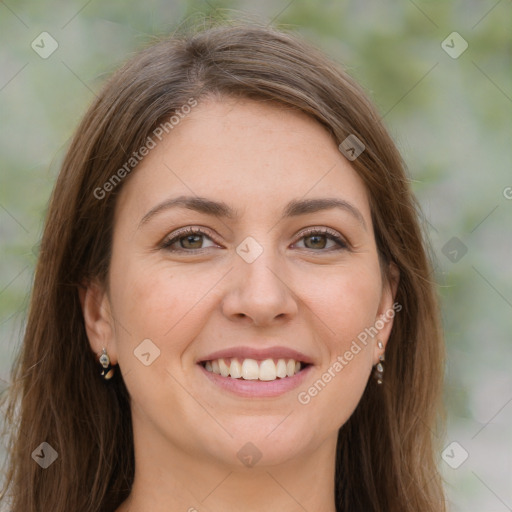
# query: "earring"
{"points": [[379, 368], [108, 371]]}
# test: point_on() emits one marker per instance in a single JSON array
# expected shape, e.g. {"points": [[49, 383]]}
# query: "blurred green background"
{"points": [[448, 110]]}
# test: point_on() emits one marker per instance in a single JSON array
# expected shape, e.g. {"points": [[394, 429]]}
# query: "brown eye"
{"points": [[191, 239], [318, 240], [188, 240]]}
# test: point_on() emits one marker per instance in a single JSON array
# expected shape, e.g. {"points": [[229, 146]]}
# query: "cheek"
{"points": [[156, 317], [347, 302], [152, 299], [146, 303], [163, 304]]}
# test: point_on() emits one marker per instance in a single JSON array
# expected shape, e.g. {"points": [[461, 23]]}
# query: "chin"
{"points": [[261, 442]]}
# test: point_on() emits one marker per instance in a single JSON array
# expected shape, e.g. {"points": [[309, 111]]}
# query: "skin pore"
{"points": [[304, 291]]}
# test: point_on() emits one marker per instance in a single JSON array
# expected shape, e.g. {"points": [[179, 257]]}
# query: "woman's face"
{"points": [[255, 285]]}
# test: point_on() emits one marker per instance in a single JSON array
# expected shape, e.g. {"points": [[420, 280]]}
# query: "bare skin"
{"points": [[303, 291]]}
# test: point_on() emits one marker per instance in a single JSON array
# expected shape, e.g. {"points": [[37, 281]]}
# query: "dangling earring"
{"points": [[108, 371], [379, 368]]}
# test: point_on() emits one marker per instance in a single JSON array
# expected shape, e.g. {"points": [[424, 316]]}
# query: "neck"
{"points": [[173, 480]]}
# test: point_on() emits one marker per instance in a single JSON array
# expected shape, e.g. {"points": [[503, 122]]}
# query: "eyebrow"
{"points": [[220, 209]]}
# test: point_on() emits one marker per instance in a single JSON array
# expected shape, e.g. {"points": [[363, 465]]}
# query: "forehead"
{"points": [[253, 155]]}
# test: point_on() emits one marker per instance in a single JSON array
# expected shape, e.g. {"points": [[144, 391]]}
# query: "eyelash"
{"points": [[166, 244]]}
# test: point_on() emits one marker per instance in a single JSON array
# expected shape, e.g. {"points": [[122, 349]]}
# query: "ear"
{"points": [[99, 324], [388, 308]]}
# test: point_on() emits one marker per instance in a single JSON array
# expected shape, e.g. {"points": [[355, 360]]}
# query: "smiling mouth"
{"points": [[252, 369]]}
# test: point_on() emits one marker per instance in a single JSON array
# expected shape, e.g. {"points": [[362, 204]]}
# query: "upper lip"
{"points": [[245, 352]]}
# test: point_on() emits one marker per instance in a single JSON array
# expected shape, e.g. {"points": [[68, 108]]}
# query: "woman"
{"points": [[233, 305]]}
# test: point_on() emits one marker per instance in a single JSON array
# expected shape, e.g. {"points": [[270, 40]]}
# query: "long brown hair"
{"points": [[386, 455]]}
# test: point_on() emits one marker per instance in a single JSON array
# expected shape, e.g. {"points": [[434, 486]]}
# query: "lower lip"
{"points": [[257, 388]]}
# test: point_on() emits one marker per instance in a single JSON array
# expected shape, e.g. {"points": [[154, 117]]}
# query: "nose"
{"points": [[259, 291]]}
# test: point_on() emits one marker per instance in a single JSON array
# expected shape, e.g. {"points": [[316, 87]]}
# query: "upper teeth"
{"points": [[250, 369]]}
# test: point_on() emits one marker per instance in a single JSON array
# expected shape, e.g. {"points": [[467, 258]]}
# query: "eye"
{"points": [[316, 236], [189, 240]]}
